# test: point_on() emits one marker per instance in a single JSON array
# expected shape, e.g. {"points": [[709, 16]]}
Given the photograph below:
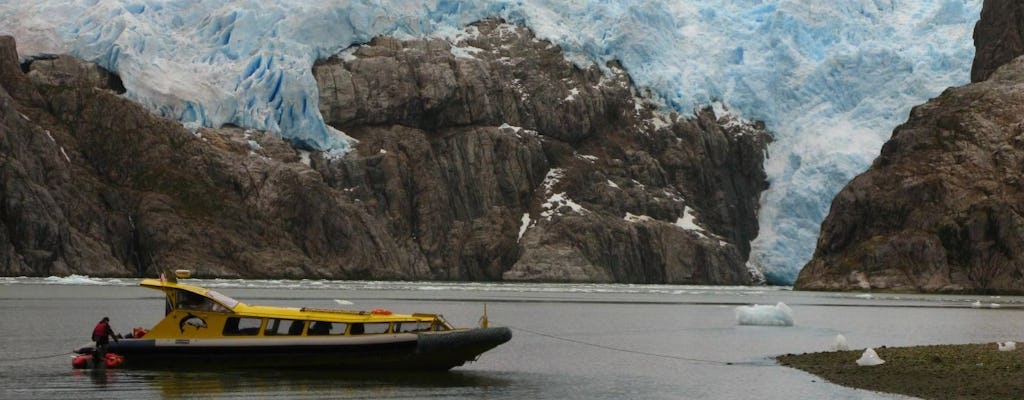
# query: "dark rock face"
{"points": [[493, 160], [500, 160], [93, 183], [998, 37], [942, 208]]}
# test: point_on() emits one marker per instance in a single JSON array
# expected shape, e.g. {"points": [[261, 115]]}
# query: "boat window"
{"points": [[412, 326], [440, 324], [191, 301], [235, 326], [375, 327], [327, 328], [284, 327]]}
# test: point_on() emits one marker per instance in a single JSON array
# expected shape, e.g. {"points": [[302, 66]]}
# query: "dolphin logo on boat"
{"points": [[191, 320]]}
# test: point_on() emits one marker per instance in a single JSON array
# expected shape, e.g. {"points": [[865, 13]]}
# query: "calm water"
{"points": [[569, 341]]}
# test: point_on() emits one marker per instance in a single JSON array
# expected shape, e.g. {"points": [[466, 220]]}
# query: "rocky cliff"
{"points": [[998, 37], [499, 159], [95, 184], [490, 158], [942, 207]]}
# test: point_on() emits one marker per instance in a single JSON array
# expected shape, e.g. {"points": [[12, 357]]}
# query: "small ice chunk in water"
{"points": [[777, 315], [1007, 346], [840, 343], [869, 358], [73, 279]]}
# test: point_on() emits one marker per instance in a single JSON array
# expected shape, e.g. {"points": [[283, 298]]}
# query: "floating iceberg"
{"points": [[840, 343], [777, 315], [869, 358]]}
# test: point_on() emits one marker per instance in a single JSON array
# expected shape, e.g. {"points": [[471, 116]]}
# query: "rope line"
{"points": [[10, 360], [643, 353]]}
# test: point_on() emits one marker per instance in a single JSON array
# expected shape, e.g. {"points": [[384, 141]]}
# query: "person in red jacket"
{"points": [[100, 335]]}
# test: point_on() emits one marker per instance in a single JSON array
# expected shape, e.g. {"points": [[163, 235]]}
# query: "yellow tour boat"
{"points": [[204, 328]]}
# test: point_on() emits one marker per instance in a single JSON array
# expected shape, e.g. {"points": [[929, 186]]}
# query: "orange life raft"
{"points": [[84, 361]]}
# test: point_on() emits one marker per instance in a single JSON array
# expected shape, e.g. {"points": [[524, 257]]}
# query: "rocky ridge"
{"points": [[488, 157], [942, 207], [491, 153]]}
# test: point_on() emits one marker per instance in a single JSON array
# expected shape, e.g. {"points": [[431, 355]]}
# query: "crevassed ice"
{"points": [[830, 79]]}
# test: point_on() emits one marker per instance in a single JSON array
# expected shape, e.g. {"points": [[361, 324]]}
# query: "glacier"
{"points": [[830, 79]]}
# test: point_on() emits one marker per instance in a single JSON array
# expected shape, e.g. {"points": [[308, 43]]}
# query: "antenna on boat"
{"points": [[483, 318]]}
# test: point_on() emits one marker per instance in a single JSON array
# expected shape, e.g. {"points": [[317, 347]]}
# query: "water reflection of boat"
{"points": [[311, 384], [203, 328]]}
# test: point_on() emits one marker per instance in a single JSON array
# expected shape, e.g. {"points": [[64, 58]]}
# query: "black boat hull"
{"points": [[414, 351]]}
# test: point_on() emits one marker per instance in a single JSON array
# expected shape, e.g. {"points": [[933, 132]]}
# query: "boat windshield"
{"points": [[222, 299], [193, 301], [441, 324]]}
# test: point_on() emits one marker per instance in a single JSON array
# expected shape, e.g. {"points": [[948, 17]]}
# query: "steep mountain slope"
{"points": [[942, 207], [998, 37], [95, 184], [495, 159], [472, 150]]}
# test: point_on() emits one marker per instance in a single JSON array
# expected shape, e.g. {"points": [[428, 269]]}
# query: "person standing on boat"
{"points": [[101, 334]]}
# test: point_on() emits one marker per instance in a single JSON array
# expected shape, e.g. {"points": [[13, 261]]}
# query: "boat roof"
{"points": [[243, 309], [161, 284]]}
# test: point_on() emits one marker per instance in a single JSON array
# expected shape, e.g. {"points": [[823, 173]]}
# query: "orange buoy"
{"points": [[380, 311]]}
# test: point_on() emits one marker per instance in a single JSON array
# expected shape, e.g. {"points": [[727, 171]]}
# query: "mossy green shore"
{"points": [[967, 371]]}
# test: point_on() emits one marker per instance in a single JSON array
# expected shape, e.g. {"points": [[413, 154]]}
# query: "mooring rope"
{"points": [[10, 360], [619, 349]]}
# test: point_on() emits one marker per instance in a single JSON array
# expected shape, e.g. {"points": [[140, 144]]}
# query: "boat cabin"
{"points": [[196, 312]]}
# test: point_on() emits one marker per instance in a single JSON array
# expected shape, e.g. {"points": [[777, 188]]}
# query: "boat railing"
{"points": [[335, 311]]}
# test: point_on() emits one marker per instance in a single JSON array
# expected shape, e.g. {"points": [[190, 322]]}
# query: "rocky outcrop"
{"points": [[942, 207], [489, 157], [499, 159], [998, 37], [93, 183]]}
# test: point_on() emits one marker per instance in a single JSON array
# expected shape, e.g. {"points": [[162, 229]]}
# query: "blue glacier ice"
{"points": [[830, 79]]}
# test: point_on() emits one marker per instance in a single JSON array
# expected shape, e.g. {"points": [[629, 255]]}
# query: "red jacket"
{"points": [[101, 331]]}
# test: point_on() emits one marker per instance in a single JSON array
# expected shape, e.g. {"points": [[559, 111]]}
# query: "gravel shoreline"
{"points": [[967, 371]]}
